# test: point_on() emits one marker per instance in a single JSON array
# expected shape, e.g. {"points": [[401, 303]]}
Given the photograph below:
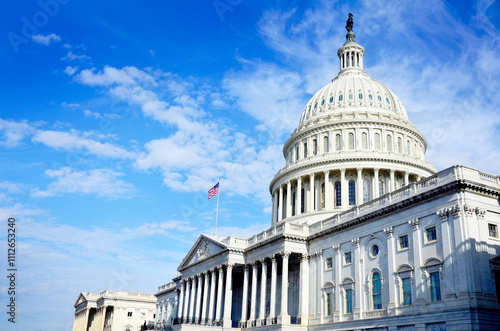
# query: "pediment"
{"points": [[204, 248], [81, 299]]}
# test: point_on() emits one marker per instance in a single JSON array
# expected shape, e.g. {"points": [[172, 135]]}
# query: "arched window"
{"points": [[364, 140], [297, 154], [366, 190], [294, 197], [305, 150], [351, 140], [400, 145], [377, 141], [325, 145], [323, 196], [381, 189], [329, 299], [315, 147], [337, 142], [389, 143], [338, 194], [376, 291], [352, 192], [302, 200], [408, 147]]}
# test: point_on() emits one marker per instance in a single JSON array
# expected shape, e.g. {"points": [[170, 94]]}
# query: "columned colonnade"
{"points": [[207, 298], [330, 190]]}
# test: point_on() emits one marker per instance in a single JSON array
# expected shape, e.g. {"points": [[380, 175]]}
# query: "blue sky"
{"points": [[117, 117]]}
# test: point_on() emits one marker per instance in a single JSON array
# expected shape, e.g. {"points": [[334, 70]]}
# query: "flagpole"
{"points": [[217, 211]]}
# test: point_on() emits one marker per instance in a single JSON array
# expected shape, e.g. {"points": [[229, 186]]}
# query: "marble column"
{"points": [[288, 199], [358, 285], [186, 299], [181, 300], [275, 208], [312, 195], [253, 300], [284, 318], [263, 282], [245, 295], [327, 190], [272, 308], [191, 300], [407, 178], [304, 290], [344, 191], [218, 312], [359, 186], [211, 305], [280, 204], [376, 189], [391, 265], [198, 299], [228, 298], [205, 298], [391, 183], [298, 197]]}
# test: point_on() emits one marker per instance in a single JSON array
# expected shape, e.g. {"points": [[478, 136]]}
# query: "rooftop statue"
{"points": [[350, 23]]}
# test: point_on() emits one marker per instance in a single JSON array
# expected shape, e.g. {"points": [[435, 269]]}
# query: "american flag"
{"points": [[213, 191]]}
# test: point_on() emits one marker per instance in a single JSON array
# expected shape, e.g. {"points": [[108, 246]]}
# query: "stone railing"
{"points": [[443, 177], [166, 287], [282, 228]]}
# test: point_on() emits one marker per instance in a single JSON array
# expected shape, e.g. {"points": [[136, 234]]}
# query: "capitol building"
{"points": [[365, 234]]}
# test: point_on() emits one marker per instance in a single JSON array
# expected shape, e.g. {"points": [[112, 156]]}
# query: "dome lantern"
{"points": [[351, 53]]}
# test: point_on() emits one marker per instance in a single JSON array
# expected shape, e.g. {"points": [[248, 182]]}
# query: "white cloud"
{"points": [[112, 76], [13, 133], [74, 140], [91, 114], [70, 71], [72, 56], [104, 183], [46, 40]]}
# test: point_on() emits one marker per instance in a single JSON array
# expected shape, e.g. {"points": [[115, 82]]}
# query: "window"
{"points": [[337, 142], [389, 143], [406, 289], [360, 96], [348, 301], [366, 190], [370, 97], [294, 197], [315, 105], [315, 147], [352, 192], [408, 147], [403, 242], [329, 303], [376, 291], [143, 315], [129, 314], [374, 251], [387, 100], [377, 141], [338, 194], [435, 286], [364, 140], [329, 263], [400, 145], [493, 230], [347, 258], [341, 97], [351, 140], [381, 189], [323, 196], [326, 148], [379, 98], [431, 234], [305, 150], [323, 102], [331, 99], [297, 154], [350, 96]]}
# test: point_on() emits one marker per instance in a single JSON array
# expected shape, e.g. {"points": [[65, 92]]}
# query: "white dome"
{"points": [[351, 90]]}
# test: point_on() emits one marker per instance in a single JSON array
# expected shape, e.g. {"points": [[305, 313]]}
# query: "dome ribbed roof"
{"points": [[353, 89]]}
